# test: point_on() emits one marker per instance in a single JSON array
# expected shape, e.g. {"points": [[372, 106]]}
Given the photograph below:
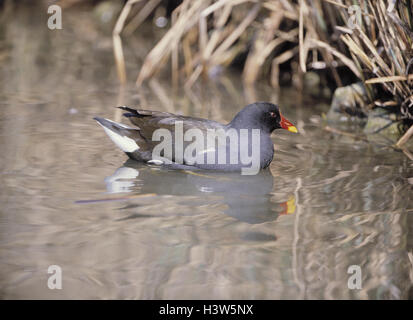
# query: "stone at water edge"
{"points": [[382, 125], [349, 104]]}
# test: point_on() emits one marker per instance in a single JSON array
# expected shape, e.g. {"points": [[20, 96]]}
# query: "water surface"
{"points": [[119, 229]]}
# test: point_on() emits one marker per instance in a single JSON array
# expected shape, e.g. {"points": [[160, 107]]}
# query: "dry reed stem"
{"points": [[223, 52], [263, 47], [194, 76], [175, 48], [117, 41], [203, 33], [378, 50], [237, 32], [390, 79], [185, 21], [405, 137], [348, 62], [303, 50], [407, 153], [141, 16], [216, 36]]}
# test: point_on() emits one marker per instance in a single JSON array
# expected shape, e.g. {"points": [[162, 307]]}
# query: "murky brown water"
{"points": [[291, 232]]}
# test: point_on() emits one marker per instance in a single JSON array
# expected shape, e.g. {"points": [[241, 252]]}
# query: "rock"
{"points": [[349, 103], [349, 112], [382, 125]]}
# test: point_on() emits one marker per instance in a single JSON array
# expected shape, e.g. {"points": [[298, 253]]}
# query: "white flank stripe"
{"points": [[207, 150], [155, 161]]}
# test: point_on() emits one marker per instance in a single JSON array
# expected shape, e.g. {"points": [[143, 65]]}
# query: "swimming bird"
{"points": [[182, 142]]}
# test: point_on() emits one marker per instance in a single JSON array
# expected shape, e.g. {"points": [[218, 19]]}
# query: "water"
{"points": [[120, 229]]}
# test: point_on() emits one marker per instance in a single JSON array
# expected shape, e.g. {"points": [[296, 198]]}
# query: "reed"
{"points": [[372, 39]]}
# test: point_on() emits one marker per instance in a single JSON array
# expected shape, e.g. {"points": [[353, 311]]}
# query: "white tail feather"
{"points": [[126, 144]]}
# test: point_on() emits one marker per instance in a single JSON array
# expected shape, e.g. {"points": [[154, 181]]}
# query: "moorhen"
{"points": [[182, 142]]}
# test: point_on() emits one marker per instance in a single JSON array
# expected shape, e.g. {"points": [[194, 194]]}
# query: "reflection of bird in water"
{"points": [[247, 197]]}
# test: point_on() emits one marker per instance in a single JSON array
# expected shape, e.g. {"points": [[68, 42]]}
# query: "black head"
{"points": [[261, 115]]}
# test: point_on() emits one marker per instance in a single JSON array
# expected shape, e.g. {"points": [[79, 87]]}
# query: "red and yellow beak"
{"points": [[287, 125]]}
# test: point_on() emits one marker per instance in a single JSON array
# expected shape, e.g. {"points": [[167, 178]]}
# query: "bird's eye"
{"points": [[272, 114]]}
